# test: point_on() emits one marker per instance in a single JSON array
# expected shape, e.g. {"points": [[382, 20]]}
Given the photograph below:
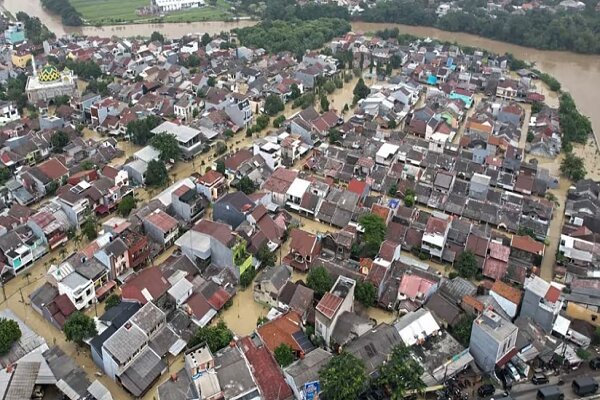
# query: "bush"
{"points": [[284, 355], [247, 277], [9, 334]]}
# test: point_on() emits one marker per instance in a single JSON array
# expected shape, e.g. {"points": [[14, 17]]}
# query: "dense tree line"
{"points": [[35, 31], [574, 126], [67, 12], [542, 29], [295, 36]]}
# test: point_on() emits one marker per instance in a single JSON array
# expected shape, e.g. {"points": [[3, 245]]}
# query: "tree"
{"points": [[262, 121], [221, 166], [157, 37], [126, 205], [374, 229], [361, 90], [9, 334], [266, 257], [277, 122], [5, 175], [89, 228], [329, 86], [462, 330], [343, 377], [215, 336], [393, 190], [79, 327], [247, 277], [205, 39], [409, 198], [228, 133], [319, 280], [365, 293], [573, 167], [212, 81], [111, 301], [466, 264], [59, 140], [61, 100], [295, 91], [246, 185], [273, 105], [156, 174], [87, 165], [284, 355], [401, 374], [139, 131], [167, 145], [324, 103], [335, 137]]}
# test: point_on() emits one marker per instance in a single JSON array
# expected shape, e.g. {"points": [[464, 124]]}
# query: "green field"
{"points": [[105, 12]]}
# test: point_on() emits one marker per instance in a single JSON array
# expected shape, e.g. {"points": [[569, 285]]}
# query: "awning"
{"points": [[507, 357], [107, 287]]}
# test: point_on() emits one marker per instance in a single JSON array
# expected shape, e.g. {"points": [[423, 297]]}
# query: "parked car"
{"points": [[595, 363], [539, 379], [513, 372], [486, 390], [550, 393], [584, 386]]}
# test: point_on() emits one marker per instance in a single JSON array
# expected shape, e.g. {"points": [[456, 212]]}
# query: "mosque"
{"points": [[50, 83]]}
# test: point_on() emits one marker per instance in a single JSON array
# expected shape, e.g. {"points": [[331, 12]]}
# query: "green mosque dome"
{"points": [[49, 74]]}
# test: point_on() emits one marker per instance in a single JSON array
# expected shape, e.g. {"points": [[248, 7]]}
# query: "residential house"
{"points": [[542, 301], [161, 227], [187, 203], [146, 286], [339, 299], [508, 297], [232, 208], [115, 257], [212, 185], [375, 346], [268, 285], [304, 249], [303, 373], [435, 235], [79, 289], [493, 341]]}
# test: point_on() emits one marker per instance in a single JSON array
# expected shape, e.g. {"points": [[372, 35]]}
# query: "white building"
{"points": [[386, 154], [416, 326], [8, 112], [295, 192], [269, 151], [172, 5], [190, 140], [338, 300], [435, 235], [78, 289]]}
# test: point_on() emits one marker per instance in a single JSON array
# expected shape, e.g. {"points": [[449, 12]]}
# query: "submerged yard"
{"points": [[105, 12]]}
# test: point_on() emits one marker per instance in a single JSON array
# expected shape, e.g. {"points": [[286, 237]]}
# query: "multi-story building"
{"points": [[493, 341], [338, 300]]}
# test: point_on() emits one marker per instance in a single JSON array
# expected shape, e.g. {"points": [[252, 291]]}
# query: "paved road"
{"points": [[528, 391]]}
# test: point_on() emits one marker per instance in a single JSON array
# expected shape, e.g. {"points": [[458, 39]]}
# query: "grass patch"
{"points": [[97, 12]]}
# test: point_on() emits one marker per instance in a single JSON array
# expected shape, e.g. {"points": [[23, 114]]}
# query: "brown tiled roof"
{"points": [[510, 293], [329, 305], [151, 279], [233, 163], [528, 244], [162, 220], [473, 303], [302, 242], [221, 232], [436, 225], [387, 250], [477, 245], [53, 168], [210, 177], [280, 330]]}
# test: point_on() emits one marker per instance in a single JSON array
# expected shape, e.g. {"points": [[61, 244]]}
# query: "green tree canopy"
{"points": [[59, 140], [215, 336], [319, 280], [112, 301], [324, 103], [9, 334], [573, 167], [401, 374], [79, 327], [374, 229], [89, 228], [138, 131], [126, 205], [156, 174], [167, 145], [157, 37], [246, 185], [266, 257], [466, 264], [273, 105], [284, 355], [462, 330], [365, 293], [343, 377], [361, 90], [5, 175]]}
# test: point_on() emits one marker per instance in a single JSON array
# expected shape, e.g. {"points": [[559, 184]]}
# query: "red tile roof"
{"points": [[381, 211], [211, 177], [499, 251], [149, 280], [436, 225], [233, 163], [510, 293], [280, 331], [280, 180], [181, 190], [162, 220], [528, 244], [303, 242], [413, 285], [53, 168], [329, 305], [387, 250], [221, 232], [477, 245], [553, 294], [198, 305], [473, 303], [357, 186], [265, 370], [495, 269]]}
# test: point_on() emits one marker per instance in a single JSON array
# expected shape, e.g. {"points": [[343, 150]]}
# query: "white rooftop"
{"points": [[387, 149], [146, 154], [298, 188], [183, 133]]}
